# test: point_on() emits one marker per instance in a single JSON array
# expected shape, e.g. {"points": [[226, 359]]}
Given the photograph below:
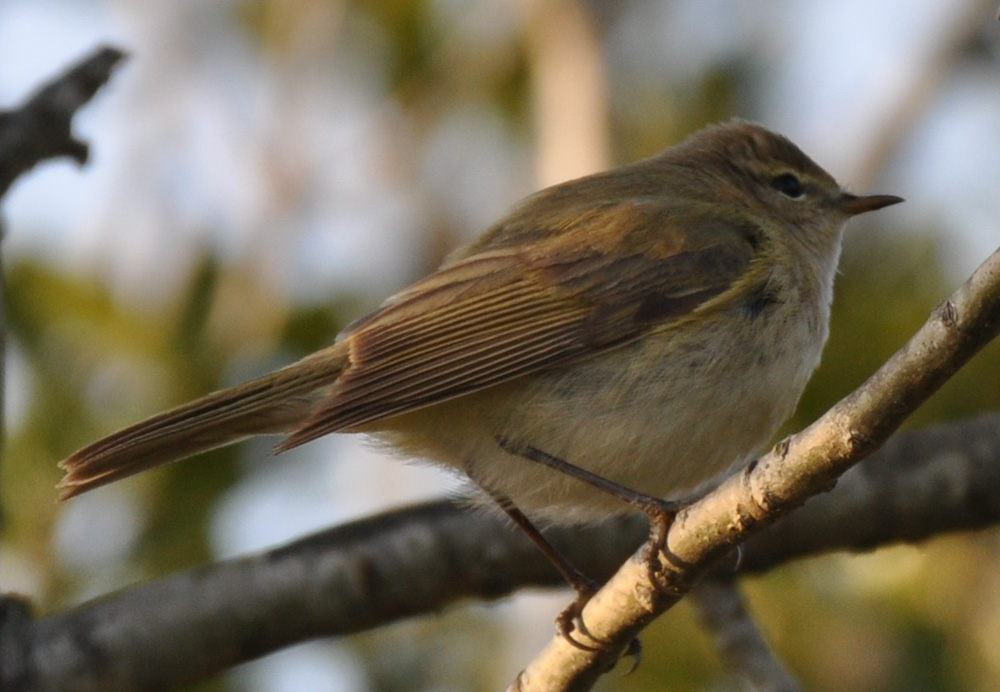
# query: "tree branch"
{"points": [[42, 128], [418, 560], [921, 484], [801, 466], [742, 645]]}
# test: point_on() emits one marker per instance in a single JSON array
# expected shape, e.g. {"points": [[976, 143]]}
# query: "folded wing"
{"points": [[502, 312]]}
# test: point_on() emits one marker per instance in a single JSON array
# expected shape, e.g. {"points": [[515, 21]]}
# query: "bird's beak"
{"points": [[853, 204]]}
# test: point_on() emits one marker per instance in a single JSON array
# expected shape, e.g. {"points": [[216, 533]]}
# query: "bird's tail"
{"points": [[271, 404]]}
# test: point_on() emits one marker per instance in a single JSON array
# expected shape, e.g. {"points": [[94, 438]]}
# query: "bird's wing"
{"points": [[601, 280]]}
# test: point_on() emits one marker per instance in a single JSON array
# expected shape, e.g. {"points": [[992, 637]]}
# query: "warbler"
{"points": [[650, 326]]}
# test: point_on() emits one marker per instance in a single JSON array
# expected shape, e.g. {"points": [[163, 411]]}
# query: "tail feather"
{"points": [[271, 404]]}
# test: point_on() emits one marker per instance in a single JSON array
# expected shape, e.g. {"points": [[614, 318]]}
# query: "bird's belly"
{"points": [[661, 416]]}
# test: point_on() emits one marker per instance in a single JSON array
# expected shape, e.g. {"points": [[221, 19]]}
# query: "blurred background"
{"points": [[264, 171]]}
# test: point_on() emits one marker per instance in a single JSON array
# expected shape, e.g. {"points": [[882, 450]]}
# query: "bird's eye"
{"points": [[788, 185]]}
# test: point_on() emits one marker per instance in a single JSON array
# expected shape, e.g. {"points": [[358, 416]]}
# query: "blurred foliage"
{"points": [[908, 618], [97, 364]]}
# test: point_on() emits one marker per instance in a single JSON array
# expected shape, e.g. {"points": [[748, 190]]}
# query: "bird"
{"points": [[643, 329]]}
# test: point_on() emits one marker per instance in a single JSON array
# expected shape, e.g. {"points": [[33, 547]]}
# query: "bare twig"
{"points": [[803, 465], [741, 644], [39, 130], [919, 485]]}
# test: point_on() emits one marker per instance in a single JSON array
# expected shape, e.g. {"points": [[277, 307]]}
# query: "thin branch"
{"points": [[418, 560], [742, 645], [801, 466], [41, 129], [921, 484]]}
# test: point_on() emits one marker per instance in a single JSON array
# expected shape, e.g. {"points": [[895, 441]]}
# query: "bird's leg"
{"points": [[584, 586], [661, 513]]}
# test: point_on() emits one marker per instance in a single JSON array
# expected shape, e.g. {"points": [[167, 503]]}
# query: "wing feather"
{"points": [[504, 312]]}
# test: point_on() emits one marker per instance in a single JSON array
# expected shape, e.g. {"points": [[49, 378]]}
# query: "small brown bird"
{"points": [[651, 325]]}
